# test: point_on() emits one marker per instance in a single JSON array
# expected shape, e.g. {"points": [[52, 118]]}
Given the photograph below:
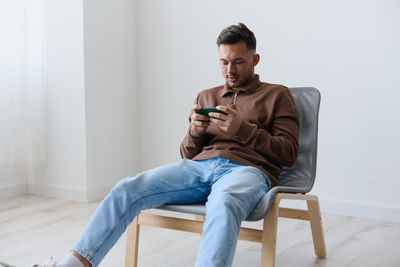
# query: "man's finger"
{"points": [[201, 123], [217, 121], [199, 117], [216, 115], [223, 108], [196, 106], [217, 118]]}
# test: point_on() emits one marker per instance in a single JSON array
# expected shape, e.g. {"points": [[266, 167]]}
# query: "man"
{"points": [[230, 160]]}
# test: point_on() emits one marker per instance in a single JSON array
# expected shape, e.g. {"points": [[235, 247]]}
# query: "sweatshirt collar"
{"points": [[248, 89]]}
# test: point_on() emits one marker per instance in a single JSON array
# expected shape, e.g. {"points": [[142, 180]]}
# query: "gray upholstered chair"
{"points": [[294, 183]]}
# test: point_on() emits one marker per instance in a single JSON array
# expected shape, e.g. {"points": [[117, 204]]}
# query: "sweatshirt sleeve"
{"points": [[279, 140], [191, 146]]}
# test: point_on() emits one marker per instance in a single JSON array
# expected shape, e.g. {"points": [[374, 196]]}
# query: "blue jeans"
{"points": [[229, 190]]}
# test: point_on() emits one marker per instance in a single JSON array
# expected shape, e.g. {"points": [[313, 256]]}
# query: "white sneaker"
{"points": [[50, 263]]}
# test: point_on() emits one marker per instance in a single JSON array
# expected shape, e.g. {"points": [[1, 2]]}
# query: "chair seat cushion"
{"points": [[187, 208], [257, 214]]}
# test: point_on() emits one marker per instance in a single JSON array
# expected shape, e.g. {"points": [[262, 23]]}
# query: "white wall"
{"points": [[92, 95], [63, 174], [347, 49], [13, 80], [110, 42]]}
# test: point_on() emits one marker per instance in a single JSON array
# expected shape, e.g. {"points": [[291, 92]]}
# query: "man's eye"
{"points": [[238, 62]]}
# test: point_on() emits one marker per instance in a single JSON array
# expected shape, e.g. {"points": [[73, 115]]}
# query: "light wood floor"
{"points": [[33, 228]]}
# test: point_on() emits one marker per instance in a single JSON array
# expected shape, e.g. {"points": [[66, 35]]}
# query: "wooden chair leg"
{"points": [[199, 218], [132, 243], [268, 243], [316, 227]]}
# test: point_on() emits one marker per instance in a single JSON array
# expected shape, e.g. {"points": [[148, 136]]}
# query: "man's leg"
{"points": [[233, 197], [184, 182]]}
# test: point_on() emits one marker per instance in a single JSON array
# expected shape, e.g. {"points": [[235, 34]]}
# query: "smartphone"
{"points": [[205, 111]]}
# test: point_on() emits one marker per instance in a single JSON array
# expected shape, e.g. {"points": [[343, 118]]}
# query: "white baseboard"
{"points": [[382, 213], [67, 193], [13, 191]]}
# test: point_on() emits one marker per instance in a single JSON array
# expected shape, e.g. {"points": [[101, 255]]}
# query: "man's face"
{"points": [[237, 63]]}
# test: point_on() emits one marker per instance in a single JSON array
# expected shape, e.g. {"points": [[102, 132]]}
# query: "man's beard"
{"points": [[249, 77]]}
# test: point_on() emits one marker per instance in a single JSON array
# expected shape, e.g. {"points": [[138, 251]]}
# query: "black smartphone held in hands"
{"points": [[205, 111]]}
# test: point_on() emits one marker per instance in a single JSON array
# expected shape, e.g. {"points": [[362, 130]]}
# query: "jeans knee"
{"points": [[121, 185], [122, 190]]}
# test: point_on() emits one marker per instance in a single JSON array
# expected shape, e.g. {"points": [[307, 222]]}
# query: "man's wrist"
{"points": [[197, 136]]}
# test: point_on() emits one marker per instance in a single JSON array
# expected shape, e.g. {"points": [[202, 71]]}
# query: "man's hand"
{"points": [[229, 123], [198, 123]]}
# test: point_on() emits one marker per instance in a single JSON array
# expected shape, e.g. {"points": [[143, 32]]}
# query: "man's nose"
{"points": [[231, 68]]}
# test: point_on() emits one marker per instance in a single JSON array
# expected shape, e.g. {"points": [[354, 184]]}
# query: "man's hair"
{"points": [[237, 33]]}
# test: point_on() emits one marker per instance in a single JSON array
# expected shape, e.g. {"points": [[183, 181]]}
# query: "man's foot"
{"points": [[50, 263]]}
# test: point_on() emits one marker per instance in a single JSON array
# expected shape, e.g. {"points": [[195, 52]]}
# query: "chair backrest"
{"points": [[301, 175]]}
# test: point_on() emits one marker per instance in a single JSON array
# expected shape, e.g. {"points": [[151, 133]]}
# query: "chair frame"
{"points": [[267, 236]]}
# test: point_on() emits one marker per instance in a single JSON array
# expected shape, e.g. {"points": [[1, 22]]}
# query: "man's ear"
{"points": [[256, 59]]}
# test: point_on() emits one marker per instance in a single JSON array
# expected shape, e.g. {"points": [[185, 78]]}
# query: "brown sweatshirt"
{"points": [[267, 137]]}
